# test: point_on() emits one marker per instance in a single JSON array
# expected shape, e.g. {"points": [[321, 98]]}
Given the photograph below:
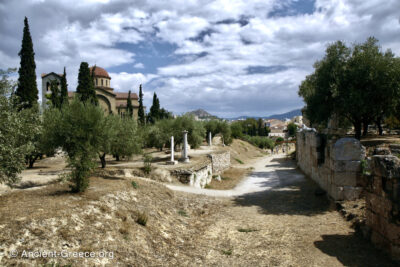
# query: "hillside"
{"points": [[202, 114], [288, 115]]}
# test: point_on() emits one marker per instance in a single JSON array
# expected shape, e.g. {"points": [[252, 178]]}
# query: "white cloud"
{"points": [[216, 42], [139, 66]]}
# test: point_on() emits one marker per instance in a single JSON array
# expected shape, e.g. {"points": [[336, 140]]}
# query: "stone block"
{"points": [[336, 192], [385, 166], [382, 151], [351, 192], [378, 204], [380, 241], [348, 149], [345, 178], [394, 148], [346, 165], [395, 252]]}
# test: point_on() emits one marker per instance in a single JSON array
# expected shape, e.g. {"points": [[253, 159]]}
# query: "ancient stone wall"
{"points": [[200, 174], [220, 161], [334, 164], [383, 203]]}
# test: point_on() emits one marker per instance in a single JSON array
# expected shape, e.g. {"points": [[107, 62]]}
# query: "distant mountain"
{"points": [[202, 114], [287, 115]]}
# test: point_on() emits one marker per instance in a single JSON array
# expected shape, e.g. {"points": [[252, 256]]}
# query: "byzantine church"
{"points": [[110, 100]]}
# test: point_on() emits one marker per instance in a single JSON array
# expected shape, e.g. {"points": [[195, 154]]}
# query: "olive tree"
{"points": [[76, 128]]}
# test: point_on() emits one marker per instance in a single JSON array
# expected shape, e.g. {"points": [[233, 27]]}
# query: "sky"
{"points": [[229, 57]]}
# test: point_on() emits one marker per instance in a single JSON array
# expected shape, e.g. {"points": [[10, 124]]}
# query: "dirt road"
{"points": [[273, 218]]}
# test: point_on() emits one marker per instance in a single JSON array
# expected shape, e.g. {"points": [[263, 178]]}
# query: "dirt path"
{"points": [[264, 177], [275, 219]]}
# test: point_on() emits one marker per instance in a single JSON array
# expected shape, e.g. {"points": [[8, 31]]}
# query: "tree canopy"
{"points": [[359, 84]]}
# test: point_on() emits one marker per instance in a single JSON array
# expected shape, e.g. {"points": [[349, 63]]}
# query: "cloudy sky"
{"points": [[229, 57]]}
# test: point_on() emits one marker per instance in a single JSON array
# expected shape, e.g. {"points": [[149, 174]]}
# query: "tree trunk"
{"points": [[117, 157], [365, 127], [31, 161], [103, 160], [379, 124], [357, 129]]}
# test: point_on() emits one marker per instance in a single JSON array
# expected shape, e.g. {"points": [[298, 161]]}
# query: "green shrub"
{"points": [[134, 185], [147, 158]]}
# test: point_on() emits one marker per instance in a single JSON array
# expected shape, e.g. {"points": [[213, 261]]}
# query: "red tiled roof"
{"points": [[71, 94], [125, 96], [100, 72]]}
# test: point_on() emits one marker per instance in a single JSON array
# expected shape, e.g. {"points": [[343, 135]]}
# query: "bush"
{"points": [[134, 185], [260, 141], [147, 158]]}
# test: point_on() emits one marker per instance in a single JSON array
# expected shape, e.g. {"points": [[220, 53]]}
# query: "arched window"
{"points": [[96, 81], [101, 82], [47, 86]]}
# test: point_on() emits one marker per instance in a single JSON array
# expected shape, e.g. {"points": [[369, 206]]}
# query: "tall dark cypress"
{"points": [[27, 88], [85, 89], [64, 89], [129, 107], [154, 113], [141, 116]]}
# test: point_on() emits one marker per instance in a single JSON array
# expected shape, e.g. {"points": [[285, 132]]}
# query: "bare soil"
{"points": [[230, 178], [286, 225]]}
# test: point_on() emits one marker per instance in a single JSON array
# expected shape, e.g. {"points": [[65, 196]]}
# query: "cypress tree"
{"points": [[85, 89], [129, 107], [141, 116], [55, 96], [64, 89], [27, 88], [155, 109]]}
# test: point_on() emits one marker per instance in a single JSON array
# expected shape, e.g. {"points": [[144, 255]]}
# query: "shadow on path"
{"points": [[287, 192], [353, 250]]}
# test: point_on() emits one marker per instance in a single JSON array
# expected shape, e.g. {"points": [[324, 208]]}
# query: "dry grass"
{"points": [[51, 218], [230, 178]]}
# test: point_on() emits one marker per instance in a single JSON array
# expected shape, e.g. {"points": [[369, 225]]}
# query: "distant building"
{"points": [[112, 102]]}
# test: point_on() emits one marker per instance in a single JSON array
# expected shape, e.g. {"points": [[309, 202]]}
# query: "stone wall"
{"points": [[200, 174], [220, 161], [383, 203], [334, 164]]}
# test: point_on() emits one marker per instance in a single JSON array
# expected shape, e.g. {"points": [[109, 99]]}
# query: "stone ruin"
{"points": [[334, 164], [341, 168]]}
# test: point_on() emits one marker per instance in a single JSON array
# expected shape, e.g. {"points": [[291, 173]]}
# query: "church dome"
{"points": [[100, 72]]}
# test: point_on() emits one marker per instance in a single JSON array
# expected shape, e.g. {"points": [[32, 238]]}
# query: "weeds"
{"points": [[142, 218], [134, 185], [238, 160], [207, 186], [247, 230], [227, 252], [183, 213], [147, 158]]}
